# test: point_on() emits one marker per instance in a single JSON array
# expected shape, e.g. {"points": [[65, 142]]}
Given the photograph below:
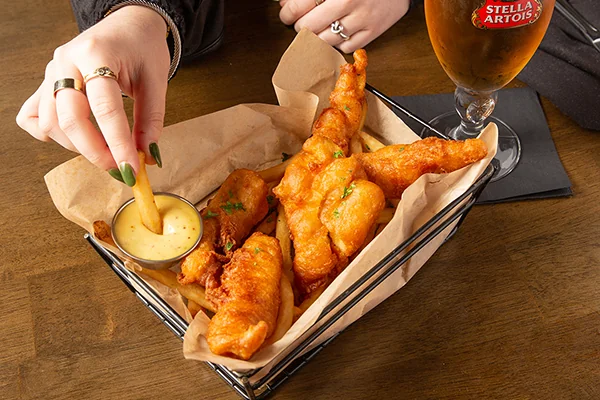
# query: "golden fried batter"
{"points": [[247, 298], [204, 260], [240, 203], [351, 204], [315, 258], [395, 167]]}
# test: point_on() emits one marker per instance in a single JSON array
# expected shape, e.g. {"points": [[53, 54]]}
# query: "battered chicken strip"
{"points": [[315, 259], [239, 204], [394, 168], [204, 260], [351, 205], [247, 298]]}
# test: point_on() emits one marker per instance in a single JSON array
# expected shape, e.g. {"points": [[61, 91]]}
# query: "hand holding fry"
{"points": [[144, 197]]}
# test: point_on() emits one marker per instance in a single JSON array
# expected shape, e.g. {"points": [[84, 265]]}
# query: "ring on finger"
{"points": [[68, 83], [319, 2], [102, 72], [337, 28]]}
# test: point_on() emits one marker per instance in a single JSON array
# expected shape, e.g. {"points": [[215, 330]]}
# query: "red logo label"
{"points": [[503, 14]]}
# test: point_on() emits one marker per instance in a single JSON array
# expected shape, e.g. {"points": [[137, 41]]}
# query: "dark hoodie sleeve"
{"points": [[200, 22]]}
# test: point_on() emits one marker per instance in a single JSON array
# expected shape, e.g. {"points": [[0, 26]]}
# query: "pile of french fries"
{"points": [[274, 223]]}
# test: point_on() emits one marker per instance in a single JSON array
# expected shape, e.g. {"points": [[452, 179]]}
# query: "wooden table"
{"points": [[509, 308]]}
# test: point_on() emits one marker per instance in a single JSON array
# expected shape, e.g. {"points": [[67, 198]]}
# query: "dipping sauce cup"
{"points": [[182, 231]]}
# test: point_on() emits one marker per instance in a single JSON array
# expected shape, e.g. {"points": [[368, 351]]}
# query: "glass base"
{"points": [[509, 145]]}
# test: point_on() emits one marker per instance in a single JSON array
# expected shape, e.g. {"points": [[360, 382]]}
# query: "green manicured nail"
{"points": [[115, 173], [155, 153], [127, 174]]}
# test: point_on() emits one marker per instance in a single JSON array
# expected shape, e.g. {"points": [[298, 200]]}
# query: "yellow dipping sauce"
{"points": [[181, 228]]}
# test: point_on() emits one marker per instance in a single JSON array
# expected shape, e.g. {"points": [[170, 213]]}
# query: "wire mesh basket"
{"points": [[256, 384]]}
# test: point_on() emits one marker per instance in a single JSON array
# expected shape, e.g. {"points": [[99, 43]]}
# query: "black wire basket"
{"points": [[256, 384]]}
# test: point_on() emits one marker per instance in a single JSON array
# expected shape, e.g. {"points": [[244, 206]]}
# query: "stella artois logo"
{"points": [[503, 14]]}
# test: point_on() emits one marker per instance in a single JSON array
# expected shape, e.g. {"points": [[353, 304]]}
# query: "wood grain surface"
{"points": [[508, 309]]}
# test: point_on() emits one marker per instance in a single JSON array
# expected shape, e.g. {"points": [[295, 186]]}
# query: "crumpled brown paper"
{"points": [[200, 153]]}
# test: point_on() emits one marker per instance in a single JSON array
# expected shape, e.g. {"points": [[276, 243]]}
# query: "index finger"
{"points": [[106, 103]]}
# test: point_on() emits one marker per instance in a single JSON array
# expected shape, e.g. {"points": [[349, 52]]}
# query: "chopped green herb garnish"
{"points": [[336, 213], [346, 107], [270, 199], [285, 156], [348, 190], [367, 146], [228, 246], [230, 193], [401, 149], [269, 219], [229, 207], [256, 250], [210, 214], [338, 154]]}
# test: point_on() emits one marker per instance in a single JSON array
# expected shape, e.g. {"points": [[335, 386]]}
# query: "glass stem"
{"points": [[473, 108]]}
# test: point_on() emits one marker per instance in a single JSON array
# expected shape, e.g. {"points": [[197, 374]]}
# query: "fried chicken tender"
{"points": [[315, 259], [351, 205], [204, 260], [394, 168], [240, 203], [247, 298]]}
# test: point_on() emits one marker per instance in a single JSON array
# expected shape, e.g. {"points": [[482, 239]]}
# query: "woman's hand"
{"points": [[132, 43], [362, 20]]}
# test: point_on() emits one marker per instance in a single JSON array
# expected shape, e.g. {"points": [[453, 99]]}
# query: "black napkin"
{"points": [[566, 67], [539, 174]]}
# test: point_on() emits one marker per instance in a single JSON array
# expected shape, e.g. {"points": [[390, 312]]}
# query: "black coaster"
{"points": [[539, 174]]}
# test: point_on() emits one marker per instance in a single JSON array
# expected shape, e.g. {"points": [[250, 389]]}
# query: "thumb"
{"points": [[148, 116]]}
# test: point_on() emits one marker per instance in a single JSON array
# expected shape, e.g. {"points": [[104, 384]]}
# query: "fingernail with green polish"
{"points": [[155, 153], [115, 173], [127, 173]]}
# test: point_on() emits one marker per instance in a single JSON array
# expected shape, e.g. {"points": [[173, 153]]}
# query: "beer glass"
{"points": [[482, 45]]}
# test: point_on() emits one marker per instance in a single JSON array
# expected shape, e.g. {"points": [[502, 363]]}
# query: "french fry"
{"points": [[386, 215], [282, 232], [267, 226], [276, 172], [285, 316], [142, 191], [297, 314], [311, 298], [371, 144], [193, 307], [355, 145], [192, 292], [380, 228]]}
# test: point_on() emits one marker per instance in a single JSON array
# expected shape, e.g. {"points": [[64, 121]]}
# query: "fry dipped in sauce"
{"points": [[181, 229], [155, 228]]}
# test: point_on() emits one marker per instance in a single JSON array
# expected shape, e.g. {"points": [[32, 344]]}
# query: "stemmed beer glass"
{"points": [[482, 45]]}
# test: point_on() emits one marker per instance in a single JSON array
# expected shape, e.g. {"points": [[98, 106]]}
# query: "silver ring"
{"points": [[319, 2], [338, 29]]}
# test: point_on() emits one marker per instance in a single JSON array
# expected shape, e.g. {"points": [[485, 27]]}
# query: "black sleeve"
{"points": [[200, 22]]}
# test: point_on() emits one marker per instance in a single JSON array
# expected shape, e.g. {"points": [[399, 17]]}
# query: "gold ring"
{"points": [[68, 83], [103, 72]]}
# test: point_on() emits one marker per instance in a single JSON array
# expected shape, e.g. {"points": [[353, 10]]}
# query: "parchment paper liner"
{"points": [[200, 153]]}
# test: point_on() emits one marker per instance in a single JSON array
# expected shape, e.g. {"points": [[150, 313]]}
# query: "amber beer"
{"points": [[483, 44]]}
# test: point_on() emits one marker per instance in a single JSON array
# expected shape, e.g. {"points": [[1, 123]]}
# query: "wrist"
{"points": [[157, 17], [149, 19]]}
